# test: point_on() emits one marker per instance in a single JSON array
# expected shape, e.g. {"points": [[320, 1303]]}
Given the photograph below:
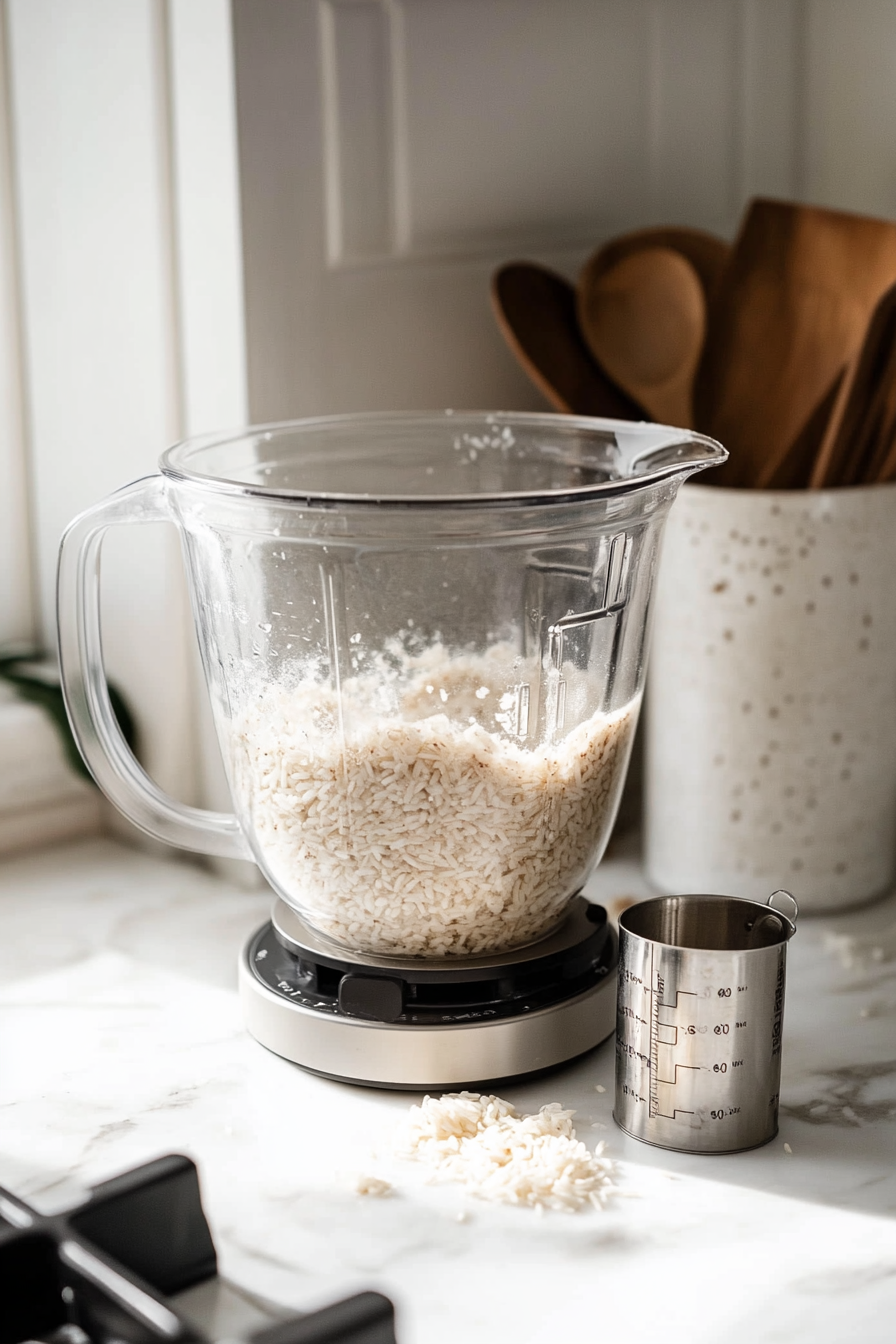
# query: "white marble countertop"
{"points": [[121, 1039]]}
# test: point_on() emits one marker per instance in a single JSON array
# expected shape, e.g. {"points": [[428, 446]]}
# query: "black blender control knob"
{"points": [[373, 996]]}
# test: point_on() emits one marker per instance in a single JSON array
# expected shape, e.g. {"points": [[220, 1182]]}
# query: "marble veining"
{"points": [[844, 1098], [121, 1038]]}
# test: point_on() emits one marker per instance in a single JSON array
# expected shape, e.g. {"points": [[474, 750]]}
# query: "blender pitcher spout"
{"points": [[673, 453]]}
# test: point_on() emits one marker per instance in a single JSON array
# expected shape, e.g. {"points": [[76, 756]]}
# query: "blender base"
{"points": [[415, 1025]]}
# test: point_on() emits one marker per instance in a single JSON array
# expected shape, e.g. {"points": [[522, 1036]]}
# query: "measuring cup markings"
{"points": [[668, 1034], [779, 1008]]}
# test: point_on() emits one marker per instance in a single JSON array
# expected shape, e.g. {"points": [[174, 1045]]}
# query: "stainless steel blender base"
{"points": [[381, 1054], [425, 1056]]}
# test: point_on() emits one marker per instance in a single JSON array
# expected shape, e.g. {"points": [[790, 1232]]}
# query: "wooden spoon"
{"points": [[789, 312], [644, 320], [536, 312], [707, 254]]}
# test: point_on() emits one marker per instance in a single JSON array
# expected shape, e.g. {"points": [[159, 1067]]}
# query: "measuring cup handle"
{"points": [[786, 905], [109, 758]]}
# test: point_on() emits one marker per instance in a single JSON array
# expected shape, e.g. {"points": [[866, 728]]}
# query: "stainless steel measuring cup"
{"points": [[700, 1004]]}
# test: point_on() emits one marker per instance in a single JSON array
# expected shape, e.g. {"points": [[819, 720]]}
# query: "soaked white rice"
{"points": [[410, 821]]}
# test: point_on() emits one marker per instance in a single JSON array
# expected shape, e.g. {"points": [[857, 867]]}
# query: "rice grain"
{"points": [[534, 1161], [401, 831]]}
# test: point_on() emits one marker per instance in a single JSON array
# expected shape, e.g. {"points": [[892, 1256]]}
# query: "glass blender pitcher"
{"points": [[424, 638]]}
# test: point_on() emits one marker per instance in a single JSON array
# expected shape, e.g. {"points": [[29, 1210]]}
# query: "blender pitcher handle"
{"points": [[100, 740]]}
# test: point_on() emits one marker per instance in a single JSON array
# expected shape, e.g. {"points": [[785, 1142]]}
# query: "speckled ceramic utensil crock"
{"points": [[771, 702]]}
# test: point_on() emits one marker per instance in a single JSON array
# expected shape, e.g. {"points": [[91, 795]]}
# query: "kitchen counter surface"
{"points": [[121, 1039]]}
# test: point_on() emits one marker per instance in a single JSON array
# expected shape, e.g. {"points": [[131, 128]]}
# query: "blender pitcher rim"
{"points": [[174, 470]]}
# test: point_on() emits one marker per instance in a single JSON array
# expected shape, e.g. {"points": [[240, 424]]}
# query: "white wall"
{"points": [[849, 108]]}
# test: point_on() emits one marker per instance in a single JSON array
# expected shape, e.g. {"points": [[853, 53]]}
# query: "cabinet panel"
{"points": [[772, 91], [850, 104], [358, 91], [17, 621], [697, 106], [393, 152], [524, 120]]}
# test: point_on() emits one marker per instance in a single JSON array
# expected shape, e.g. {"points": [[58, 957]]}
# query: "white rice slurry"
{"points": [[499, 1155], [405, 819]]}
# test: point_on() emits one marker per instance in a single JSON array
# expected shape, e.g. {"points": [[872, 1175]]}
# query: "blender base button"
{"points": [[373, 996]]}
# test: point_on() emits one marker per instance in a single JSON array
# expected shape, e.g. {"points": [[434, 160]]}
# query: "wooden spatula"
{"points": [[793, 470], [874, 463], [848, 440], [877, 462], [789, 313], [536, 312], [884, 471]]}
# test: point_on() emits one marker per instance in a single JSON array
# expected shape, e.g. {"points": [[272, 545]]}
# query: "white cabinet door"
{"points": [[393, 152]]}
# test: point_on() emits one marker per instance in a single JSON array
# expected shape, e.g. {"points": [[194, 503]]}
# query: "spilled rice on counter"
{"points": [[372, 1185], [482, 1142]]}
